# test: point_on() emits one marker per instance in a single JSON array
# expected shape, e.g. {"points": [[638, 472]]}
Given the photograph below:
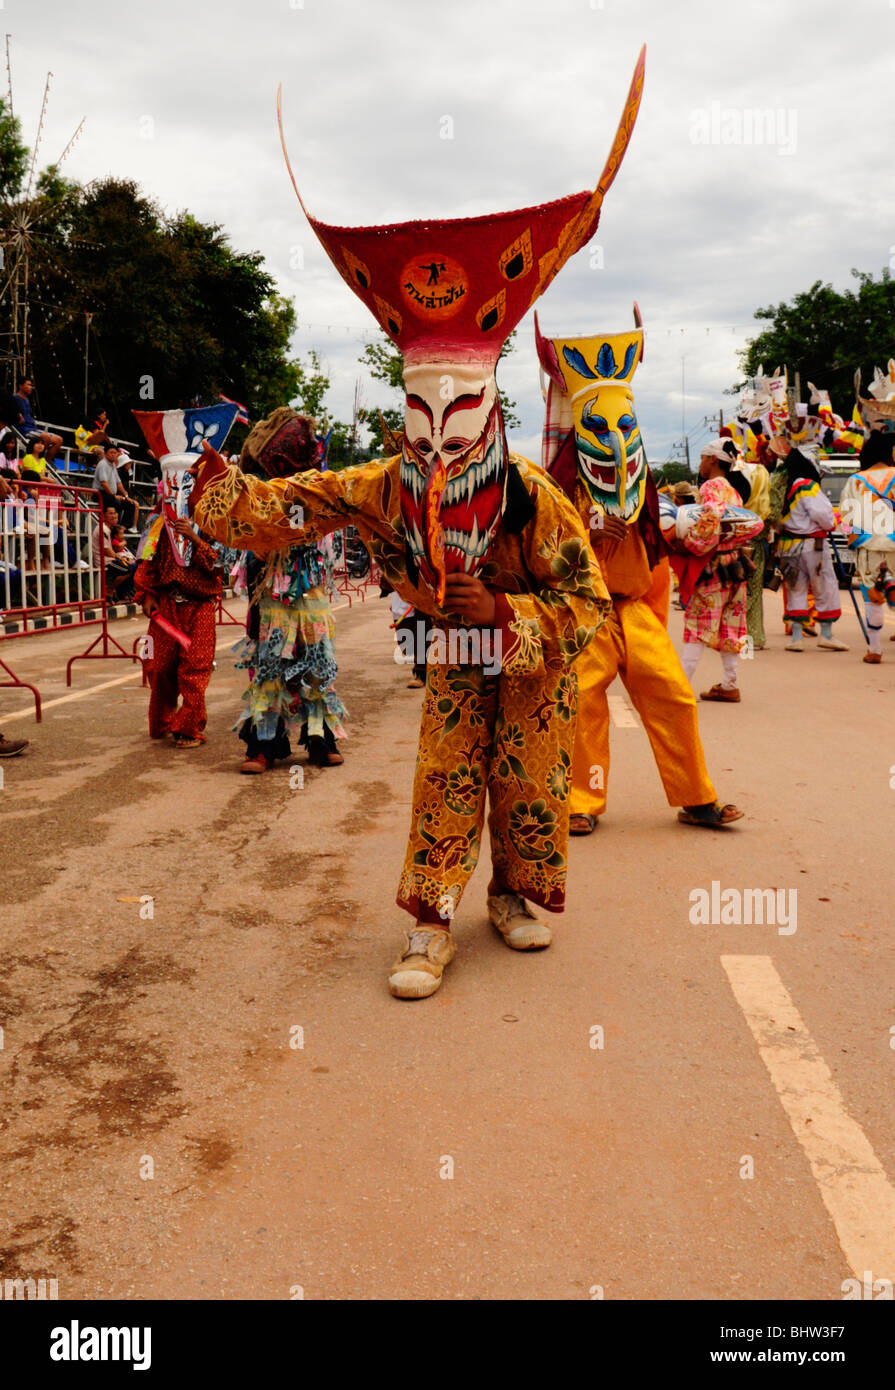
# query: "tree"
{"points": [[824, 335], [675, 471], [13, 155], [312, 386], [385, 362], [177, 314]]}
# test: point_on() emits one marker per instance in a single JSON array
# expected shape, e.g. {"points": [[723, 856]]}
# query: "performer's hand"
{"points": [[184, 527], [467, 597], [149, 607], [606, 532]]}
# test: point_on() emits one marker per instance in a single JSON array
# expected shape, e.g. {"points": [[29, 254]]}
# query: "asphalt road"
{"points": [[209, 1093]]}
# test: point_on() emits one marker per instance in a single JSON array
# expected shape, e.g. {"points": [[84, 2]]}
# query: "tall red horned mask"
{"points": [[448, 294]]}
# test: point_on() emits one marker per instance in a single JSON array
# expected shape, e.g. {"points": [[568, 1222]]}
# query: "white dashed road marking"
{"points": [[75, 695], [852, 1181]]}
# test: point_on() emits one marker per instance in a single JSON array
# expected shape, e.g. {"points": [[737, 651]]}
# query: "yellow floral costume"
{"points": [[510, 734]]}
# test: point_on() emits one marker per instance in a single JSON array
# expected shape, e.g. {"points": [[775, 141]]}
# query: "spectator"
{"points": [[27, 424], [95, 440], [119, 573], [34, 464], [9, 463], [119, 544], [107, 480]]}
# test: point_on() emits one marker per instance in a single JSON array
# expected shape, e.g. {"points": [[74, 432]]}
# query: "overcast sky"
{"points": [[714, 213]]}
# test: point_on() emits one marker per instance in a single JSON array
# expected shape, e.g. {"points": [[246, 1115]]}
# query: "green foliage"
{"points": [[393, 417], [674, 472], [384, 362], [13, 155], [312, 385], [177, 313], [825, 335]]}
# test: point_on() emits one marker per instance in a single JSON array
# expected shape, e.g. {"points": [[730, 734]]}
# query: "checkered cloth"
{"points": [[558, 420]]}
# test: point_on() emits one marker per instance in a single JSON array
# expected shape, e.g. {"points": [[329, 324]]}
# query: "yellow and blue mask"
{"points": [[589, 393]]}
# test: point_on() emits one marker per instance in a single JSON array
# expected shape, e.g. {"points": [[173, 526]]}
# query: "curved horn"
{"points": [[286, 152], [547, 356], [586, 223], [638, 323]]}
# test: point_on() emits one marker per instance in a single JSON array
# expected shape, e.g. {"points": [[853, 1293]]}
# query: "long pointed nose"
{"points": [[620, 454]]}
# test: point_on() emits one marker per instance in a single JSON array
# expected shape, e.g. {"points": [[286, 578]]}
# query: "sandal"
{"points": [[581, 824], [713, 815]]}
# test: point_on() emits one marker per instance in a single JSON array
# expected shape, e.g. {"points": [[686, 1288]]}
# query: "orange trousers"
{"points": [[634, 644]]}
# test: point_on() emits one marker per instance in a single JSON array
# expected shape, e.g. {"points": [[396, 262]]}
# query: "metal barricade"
{"points": [[53, 570], [348, 558]]}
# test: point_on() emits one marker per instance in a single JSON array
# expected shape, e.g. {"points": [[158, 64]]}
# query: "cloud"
{"points": [[791, 187]]}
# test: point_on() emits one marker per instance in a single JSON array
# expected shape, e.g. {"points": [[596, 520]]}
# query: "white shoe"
{"points": [[832, 644], [793, 647], [517, 924], [418, 970]]}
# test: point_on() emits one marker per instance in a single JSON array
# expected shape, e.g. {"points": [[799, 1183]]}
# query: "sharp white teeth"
{"points": [[474, 538], [468, 563], [412, 479]]}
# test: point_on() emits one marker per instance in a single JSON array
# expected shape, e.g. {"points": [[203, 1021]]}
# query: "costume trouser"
{"points": [[508, 737], [812, 611], [868, 564], [755, 594], [658, 595], [806, 566], [175, 671], [634, 644]]}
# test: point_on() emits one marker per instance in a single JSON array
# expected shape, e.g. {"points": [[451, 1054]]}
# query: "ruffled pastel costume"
{"points": [[289, 653]]}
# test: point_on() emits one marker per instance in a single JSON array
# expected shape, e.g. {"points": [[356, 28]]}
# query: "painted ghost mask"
{"points": [[175, 438], [590, 389], [449, 293]]}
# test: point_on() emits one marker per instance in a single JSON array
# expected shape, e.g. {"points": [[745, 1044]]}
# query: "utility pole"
{"points": [[88, 317]]}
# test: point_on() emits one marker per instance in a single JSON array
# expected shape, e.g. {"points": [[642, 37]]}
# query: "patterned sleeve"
{"points": [[263, 515], [568, 601], [204, 556]]}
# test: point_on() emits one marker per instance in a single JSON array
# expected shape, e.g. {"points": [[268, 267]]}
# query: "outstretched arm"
{"points": [[264, 515]]}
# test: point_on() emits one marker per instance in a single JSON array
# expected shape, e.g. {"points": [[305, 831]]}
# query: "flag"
{"points": [[182, 431], [323, 450], [242, 417]]}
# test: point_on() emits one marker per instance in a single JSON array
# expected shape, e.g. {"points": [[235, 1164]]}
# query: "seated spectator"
{"points": [[95, 440], [9, 463], [119, 573], [34, 464], [107, 480], [27, 424], [119, 544]]}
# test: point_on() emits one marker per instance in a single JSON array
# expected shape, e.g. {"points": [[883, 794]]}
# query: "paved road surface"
{"points": [[551, 1126]]}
